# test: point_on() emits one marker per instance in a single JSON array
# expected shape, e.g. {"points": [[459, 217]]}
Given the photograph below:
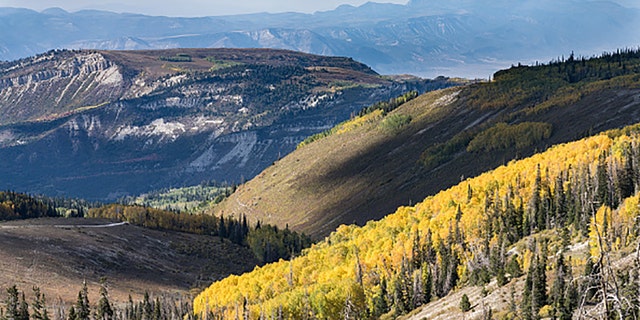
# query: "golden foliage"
{"points": [[345, 271]]}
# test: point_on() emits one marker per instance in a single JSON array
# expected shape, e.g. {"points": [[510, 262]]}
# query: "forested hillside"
{"points": [[466, 235], [389, 157]]}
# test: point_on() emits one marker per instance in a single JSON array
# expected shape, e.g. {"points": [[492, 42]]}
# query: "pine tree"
{"points": [[427, 282], [23, 309], [525, 305], [539, 292], [513, 267], [560, 205], [536, 218], [104, 311], [83, 310], [72, 313], [465, 305], [157, 312], [12, 303], [558, 290], [130, 309], [602, 177], [380, 304], [571, 300], [147, 307], [625, 185], [222, 229], [39, 305]]}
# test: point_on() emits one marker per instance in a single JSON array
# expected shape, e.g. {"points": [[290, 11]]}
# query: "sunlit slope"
{"points": [[378, 162], [322, 184], [444, 239]]}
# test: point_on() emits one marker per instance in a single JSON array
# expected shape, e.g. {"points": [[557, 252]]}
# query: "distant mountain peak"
{"points": [[55, 11]]}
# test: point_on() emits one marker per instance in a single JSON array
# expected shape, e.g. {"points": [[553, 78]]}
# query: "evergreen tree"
{"points": [[12, 303], [558, 290], [560, 205], [427, 282], [380, 304], [157, 312], [39, 305], [130, 309], [625, 186], [571, 300], [526, 306], [23, 309], [147, 307], [465, 305], [536, 217], [72, 313], [513, 267], [104, 311], [603, 194], [222, 229], [83, 309], [539, 292]]}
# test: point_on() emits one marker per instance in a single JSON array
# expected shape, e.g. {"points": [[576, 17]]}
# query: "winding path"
{"points": [[108, 225]]}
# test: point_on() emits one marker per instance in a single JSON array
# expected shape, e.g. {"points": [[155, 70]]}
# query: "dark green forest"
{"points": [[526, 90]]}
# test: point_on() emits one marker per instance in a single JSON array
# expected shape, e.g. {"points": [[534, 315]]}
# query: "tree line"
{"points": [[161, 307], [15, 206], [382, 108], [529, 90], [267, 242]]}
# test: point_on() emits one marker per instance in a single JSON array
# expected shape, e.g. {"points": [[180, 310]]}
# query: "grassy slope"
{"points": [[366, 173], [133, 259]]}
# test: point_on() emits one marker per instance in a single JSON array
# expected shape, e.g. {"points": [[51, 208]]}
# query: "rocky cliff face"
{"points": [[55, 83], [102, 125]]}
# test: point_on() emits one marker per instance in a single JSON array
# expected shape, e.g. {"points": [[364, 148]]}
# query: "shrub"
{"points": [[465, 305], [394, 123]]}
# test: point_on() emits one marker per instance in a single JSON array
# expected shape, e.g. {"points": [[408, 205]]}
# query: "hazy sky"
{"points": [[189, 8]]}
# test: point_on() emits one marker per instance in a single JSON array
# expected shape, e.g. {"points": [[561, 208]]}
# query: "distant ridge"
{"points": [[427, 38]]}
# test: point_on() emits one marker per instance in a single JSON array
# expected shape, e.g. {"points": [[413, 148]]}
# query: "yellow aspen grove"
{"points": [[458, 235]]}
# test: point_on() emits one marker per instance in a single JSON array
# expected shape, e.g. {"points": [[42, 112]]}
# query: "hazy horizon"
{"points": [[189, 8]]}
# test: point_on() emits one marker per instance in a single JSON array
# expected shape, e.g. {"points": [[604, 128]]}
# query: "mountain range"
{"points": [[424, 37], [76, 123]]}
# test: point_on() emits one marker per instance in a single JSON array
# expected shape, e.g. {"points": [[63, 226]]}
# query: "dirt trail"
{"points": [[65, 226]]}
